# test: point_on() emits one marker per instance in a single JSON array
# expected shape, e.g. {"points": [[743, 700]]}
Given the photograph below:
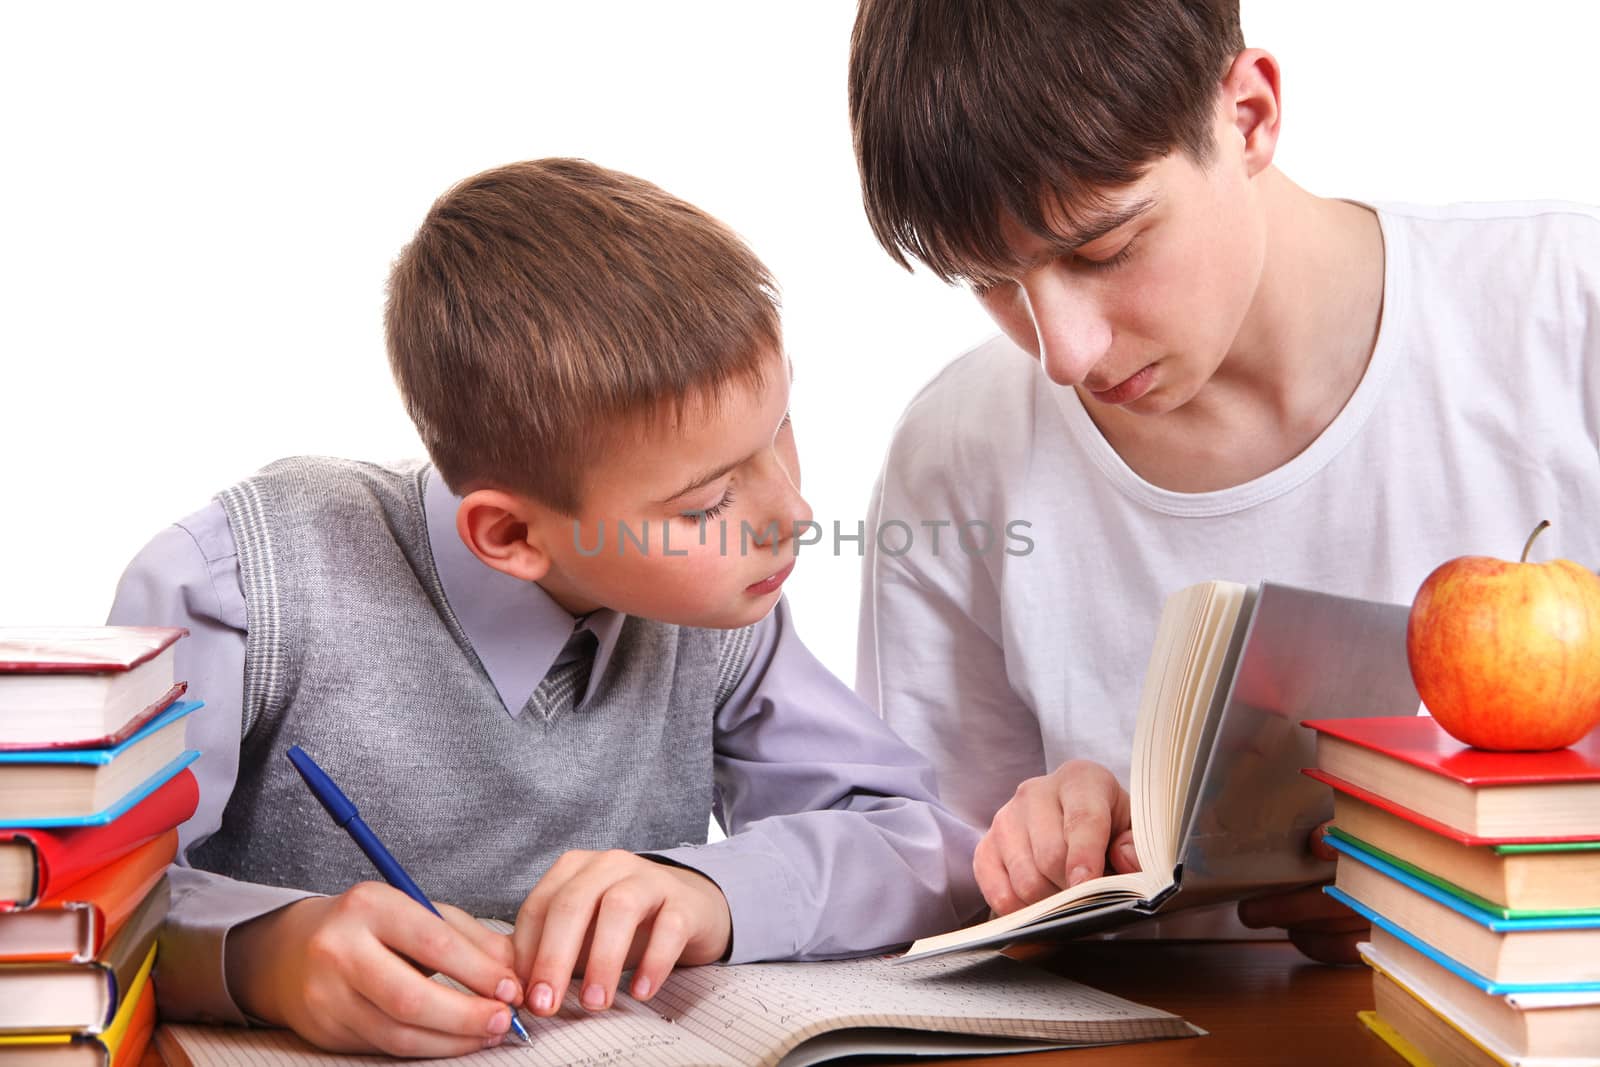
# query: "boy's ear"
{"points": [[501, 530], [1252, 106]]}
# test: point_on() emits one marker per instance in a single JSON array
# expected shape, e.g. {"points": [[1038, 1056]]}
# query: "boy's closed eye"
{"points": [[703, 514]]}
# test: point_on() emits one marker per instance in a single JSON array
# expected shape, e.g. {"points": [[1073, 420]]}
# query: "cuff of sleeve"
{"points": [[761, 899], [191, 975]]}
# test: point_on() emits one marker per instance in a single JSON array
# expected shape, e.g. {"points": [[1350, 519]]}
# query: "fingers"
{"points": [[341, 975], [492, 943], [1124, 857], [436, 944], [527, 935], [1026, 873], [400, 930], [404, 996], [622, 918], [1319, 926], [1094, 808], [1330, 946], [1004, 864], [603, 910], [1294, 908], [1046, 847], [371, 1026], [669, 935], [990, 872], [557, 921], [1319, 844], [1052, 834]]}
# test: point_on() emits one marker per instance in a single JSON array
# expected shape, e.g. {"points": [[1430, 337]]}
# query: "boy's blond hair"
{"points": [[542, 304]]}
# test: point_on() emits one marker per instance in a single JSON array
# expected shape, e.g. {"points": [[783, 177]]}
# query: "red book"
{"points": [[36, 863], [1408, 765], [74, 923], [69, 686]]}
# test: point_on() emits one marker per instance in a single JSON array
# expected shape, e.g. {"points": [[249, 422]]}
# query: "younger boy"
{"points": [[535, 658]]}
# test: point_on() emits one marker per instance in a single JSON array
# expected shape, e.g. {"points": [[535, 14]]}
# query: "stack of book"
{"points": [[1480, 873], [94, 782]]}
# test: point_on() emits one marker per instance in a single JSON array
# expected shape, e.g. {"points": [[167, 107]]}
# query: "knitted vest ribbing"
{"points": [[354, 654]]}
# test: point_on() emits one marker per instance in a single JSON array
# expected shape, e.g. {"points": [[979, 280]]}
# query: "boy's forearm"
{"points": [[198, 947], [882, 872]]}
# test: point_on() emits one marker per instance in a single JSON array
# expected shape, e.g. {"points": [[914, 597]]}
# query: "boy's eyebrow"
{"points": [[711, 476], [1091, 228], [704, 479]]}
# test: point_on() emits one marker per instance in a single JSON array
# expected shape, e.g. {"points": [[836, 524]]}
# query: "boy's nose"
{"points": [[785, 505], [1072, 333]]}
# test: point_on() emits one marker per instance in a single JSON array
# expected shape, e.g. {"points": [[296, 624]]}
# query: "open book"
{"points": [[788, 1014], [1220, 808]]}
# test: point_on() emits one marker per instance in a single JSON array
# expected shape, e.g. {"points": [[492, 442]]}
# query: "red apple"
{"points": [[1507, 655]]}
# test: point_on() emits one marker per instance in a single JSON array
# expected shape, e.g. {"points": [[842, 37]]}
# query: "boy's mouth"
{"points": [[1130, 388], [771, 582]]}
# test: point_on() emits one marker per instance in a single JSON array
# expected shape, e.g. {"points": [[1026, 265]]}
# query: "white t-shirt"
{"points": [[1477, 417]]}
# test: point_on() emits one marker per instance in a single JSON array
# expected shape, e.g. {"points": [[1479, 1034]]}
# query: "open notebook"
{"points": [[788, 1014]]}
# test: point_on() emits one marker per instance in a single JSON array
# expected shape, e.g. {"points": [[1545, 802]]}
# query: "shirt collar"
{"points": [[515, 627]]}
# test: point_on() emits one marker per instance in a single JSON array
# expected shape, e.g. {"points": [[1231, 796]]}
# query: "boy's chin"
{"points": [[734, 616]]}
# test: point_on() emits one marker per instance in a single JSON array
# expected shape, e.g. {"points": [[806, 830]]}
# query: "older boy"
{"points": [[1239, 380], [534, 649]]}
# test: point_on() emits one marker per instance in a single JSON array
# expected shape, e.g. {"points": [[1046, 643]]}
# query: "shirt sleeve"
{"points": [[188, 575], [837, 845], [930, 652]]}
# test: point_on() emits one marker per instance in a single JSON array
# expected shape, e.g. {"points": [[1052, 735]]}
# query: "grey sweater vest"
{"points": [[354, 654]]}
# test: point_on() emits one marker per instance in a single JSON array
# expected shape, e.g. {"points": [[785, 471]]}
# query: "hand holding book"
{"points": [[1056, 831], [1075, 824], [1319, 926], [1219, 810]]}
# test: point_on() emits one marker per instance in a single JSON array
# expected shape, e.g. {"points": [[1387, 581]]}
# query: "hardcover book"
{"points": [[1497, 955], [88, 786], [1410, 764], [82, 685], [1514, 878], [82, 998], [77, 921], [1522, 1024], [1220, 808], [121, 1044], [37, 862]]}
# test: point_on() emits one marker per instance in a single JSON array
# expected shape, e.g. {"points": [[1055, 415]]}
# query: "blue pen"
{"points": [[345, 815]]}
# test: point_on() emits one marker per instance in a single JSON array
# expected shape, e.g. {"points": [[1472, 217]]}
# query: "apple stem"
{"points": [[1544, 524]]}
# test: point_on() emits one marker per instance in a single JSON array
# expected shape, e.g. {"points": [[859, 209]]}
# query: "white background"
{"points": [[200, 203]]}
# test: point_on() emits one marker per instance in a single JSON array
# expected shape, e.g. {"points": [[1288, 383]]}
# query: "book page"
{"points": [[1193, 636], [731, 1016], [759, 1011], [1196, 628], [628, 1033]]}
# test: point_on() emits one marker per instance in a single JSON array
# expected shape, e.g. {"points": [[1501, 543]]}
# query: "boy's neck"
{"points": [[1298, 357]]}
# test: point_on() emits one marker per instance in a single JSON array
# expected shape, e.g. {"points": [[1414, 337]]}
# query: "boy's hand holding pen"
{"points": [[342, 971], [339, 970]]}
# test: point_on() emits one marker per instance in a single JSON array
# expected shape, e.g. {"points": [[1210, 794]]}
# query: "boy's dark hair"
{"points": [[542, 303], [963, 110]]}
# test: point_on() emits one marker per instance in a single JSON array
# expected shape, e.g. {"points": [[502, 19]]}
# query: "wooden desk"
{"points": [[1263, 1003]]}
